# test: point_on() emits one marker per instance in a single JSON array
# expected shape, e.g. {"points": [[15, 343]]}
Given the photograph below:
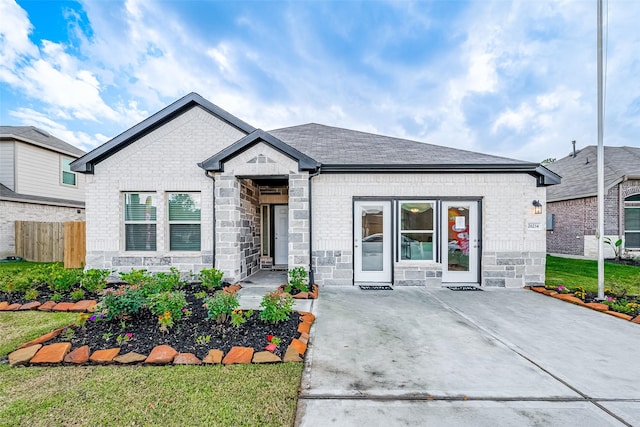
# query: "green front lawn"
{"points": [[572, 273], [124, 395]]}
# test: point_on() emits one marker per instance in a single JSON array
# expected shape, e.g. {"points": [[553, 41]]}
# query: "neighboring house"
{"points": [[574, 204], [36, 181], [193, 186]]}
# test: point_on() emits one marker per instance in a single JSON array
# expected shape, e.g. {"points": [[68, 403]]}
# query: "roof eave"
{"points": [[85, 164]]}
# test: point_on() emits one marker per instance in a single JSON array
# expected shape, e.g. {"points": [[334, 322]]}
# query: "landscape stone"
{"points": [[13, 307], [304, 327], [131, 357], [104, 356], [569, 298], [63, 306], [47, 306], [298, 345], [52, 353], [83, 306], [301, 295], [23, 355], [597, 306], [307, 317], [78, 356], [304, 337], [186, 359], [30, 305], [3, 305], [44, 338], [636, 319], [292, 355], [265, 357], [214, 357], [241, 355], [161, 355], [539, 289], [619, 315]]}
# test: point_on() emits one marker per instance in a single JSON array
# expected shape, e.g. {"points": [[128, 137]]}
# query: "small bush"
{"points": [[136, 277], [63, 279], [94, 280], [31, 294], [220, 306], [276, 307], [298, 280], [164, 282], [56, 297], [168, 307], [124, 302], [211, 278], [240, 317], [77, 294]]}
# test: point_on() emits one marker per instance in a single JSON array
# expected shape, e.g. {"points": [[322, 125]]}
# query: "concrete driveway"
{"points": [[416, 356]]}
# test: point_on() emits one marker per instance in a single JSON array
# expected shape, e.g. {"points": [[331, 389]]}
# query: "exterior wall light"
{"points": [[537, 207]]}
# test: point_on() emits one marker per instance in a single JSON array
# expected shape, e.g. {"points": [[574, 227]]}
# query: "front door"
{"points": [[372, 241], [281, 235], [460, 242]]}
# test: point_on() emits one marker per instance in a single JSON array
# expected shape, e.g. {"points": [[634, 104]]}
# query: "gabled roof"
{"points": [[86, 163], [33, 135], [216, 162], [580, 174], [12, 196], [349, 150]]}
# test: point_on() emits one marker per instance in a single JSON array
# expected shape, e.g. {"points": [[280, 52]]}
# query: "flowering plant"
{"points": [[165, 321], [273, 343], [563, 289], [239, 317], [124, 338]]}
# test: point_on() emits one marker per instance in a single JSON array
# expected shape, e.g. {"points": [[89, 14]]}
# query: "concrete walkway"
{"points": [[414, 356]]}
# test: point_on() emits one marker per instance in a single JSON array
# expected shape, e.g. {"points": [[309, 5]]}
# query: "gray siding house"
{"points": [[36, 181], [573, 205], [193, 186]]}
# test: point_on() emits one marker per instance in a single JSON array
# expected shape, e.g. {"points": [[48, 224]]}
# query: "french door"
{"points": [[460, 242], [372, 241]]}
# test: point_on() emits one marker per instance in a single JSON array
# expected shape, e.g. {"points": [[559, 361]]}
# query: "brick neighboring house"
{"points": [[574, 206], [193, 186], [36, 181]]}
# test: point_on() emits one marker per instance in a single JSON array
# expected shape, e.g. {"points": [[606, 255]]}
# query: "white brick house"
{"points": [[193, 187]]}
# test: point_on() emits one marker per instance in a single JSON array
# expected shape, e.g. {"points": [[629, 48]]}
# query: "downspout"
{"points": [[213, 228], [311, 275]]}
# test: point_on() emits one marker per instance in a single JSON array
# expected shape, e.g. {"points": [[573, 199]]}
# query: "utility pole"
{"points": [[600, 164]]}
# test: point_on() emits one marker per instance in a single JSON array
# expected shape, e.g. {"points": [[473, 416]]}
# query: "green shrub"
{"points": [[164, 282], [220, 306], [276, 307], [211, 278], [168, 307], [298, 280], [63, 279], [77, 294], [56, 297], [31, 294], [136, 277], [121, 303], [94, 280]]}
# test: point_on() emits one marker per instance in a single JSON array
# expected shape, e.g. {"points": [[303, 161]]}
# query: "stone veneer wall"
{"points": [[299, 220], [249, 228], [513, 269], [19, 211], [417, 275]]}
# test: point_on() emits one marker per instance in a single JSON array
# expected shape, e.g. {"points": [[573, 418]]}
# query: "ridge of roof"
{"points": [[36, 136], [86, 163]]}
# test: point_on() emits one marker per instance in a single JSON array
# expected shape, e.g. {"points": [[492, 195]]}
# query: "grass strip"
{"points": [[16, 328], [572, 273]]}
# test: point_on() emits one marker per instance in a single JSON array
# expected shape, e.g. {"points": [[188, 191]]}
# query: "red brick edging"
{"points": [[84, 306], [36, 352], [592, 305]]}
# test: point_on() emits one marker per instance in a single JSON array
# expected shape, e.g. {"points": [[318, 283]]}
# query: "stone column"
{"points": [[228, 225], [299, 220]]}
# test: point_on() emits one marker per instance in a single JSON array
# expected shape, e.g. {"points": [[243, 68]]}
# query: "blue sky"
{"points": [[513, 78]]}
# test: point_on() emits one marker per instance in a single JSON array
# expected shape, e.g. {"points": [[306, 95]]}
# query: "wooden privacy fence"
{"points": [[51, 242]]}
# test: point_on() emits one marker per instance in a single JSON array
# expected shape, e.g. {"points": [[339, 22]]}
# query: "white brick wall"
{"points": [[17, 211], [163, 161]]}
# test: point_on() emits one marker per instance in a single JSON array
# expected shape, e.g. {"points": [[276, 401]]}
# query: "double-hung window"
{"points": [[68, 177], [140, 221], [417, 233], [632, 222], [184, 221]]}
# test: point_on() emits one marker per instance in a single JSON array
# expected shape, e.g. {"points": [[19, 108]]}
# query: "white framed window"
{"points": [[184, 221], [632, 222], [140, 221], [416, 234], [67, 176]]}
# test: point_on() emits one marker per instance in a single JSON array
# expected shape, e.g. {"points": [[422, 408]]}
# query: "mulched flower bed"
{"points": [[192, 334]]}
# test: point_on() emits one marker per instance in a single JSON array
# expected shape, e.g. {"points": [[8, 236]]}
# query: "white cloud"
{"points": [[14, 35]]}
